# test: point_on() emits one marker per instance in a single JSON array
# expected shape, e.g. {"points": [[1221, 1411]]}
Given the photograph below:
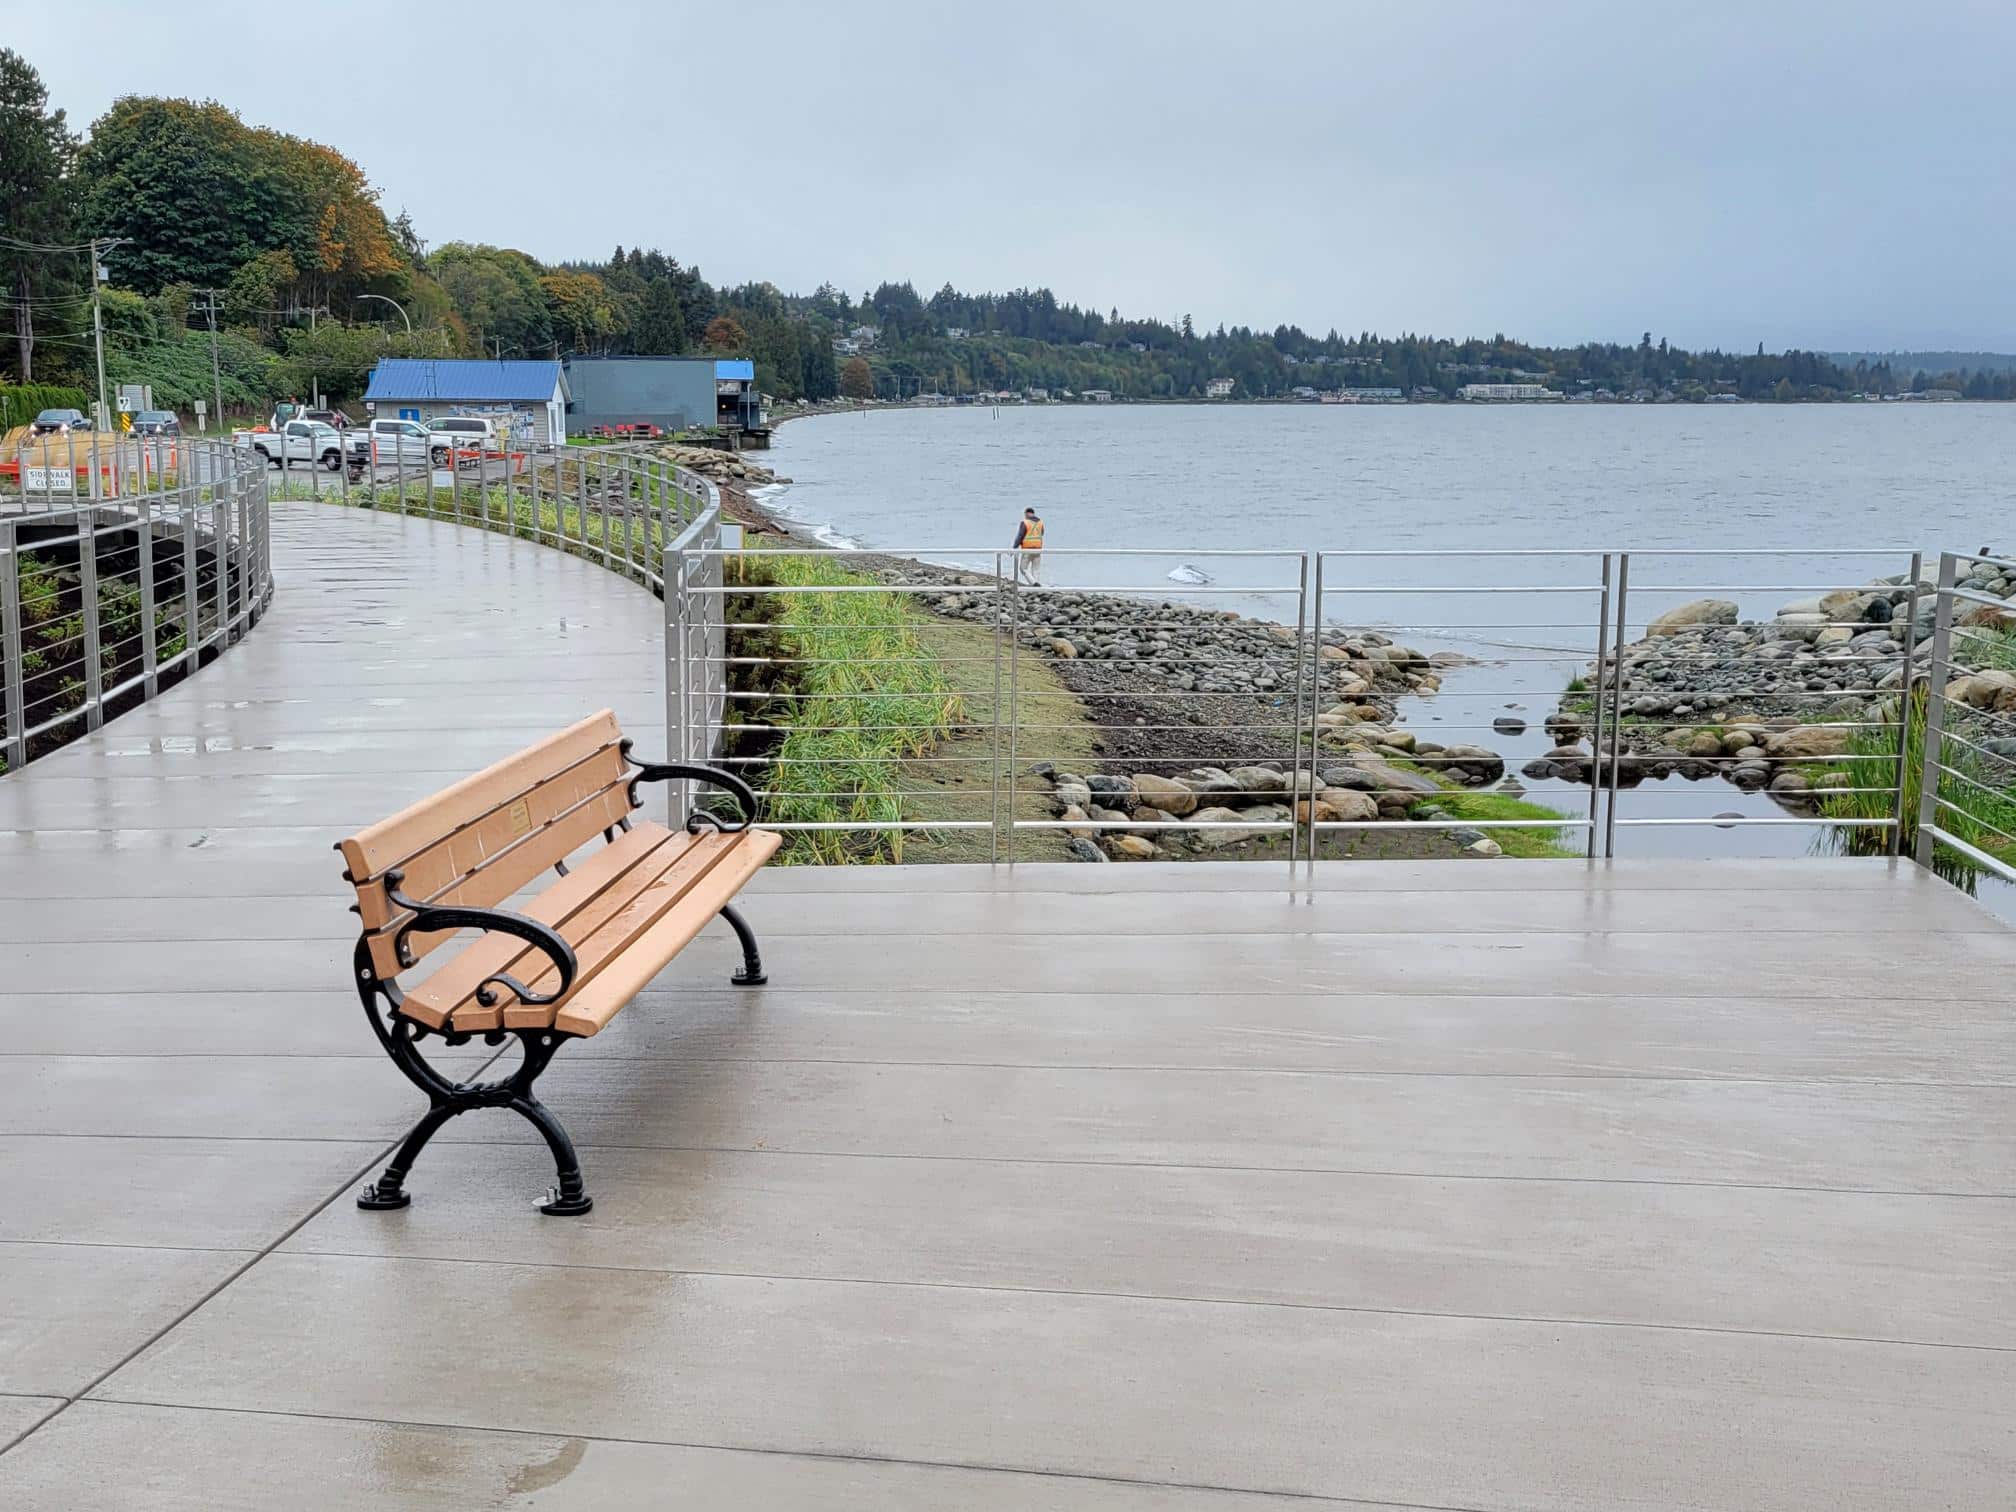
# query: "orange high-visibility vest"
{"points": [[1032, 535]]}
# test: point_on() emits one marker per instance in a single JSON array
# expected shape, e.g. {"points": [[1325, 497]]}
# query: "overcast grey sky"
{"points": [[1815, 174]]}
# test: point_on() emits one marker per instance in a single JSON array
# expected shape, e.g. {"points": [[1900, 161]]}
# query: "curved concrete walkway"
{"points": [[187, 1077]]}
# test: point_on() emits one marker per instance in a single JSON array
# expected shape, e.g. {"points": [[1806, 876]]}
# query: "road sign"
{"points": [[132, 397], [52, 479]]}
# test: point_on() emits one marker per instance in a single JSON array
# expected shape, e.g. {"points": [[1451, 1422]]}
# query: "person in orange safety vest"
{"points": [[1029, 548]]}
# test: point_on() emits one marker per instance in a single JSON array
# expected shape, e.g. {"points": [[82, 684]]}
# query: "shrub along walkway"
{"points": [[1521, 1184]]}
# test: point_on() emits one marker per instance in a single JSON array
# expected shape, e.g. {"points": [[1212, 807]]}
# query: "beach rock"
{"points": [[1214, 837], [1348, 804], [1211, 782], [1707, 611], [1063, 649], [1809, 741], [1165, 793], [1106, 815], [1484, 846], [1083, 850], [1392, 779], [1509, 724], [1131, 848], [1072, 794], [1115, 793], [1255, 779], [1347, 777], [1705, 743], [1076, 816]]}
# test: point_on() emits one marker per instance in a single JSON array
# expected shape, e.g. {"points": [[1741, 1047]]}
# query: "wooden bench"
{"points": [[580, 950]]}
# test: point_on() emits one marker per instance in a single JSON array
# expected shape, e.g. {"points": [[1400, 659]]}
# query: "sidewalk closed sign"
{"points": [[51, 479]]}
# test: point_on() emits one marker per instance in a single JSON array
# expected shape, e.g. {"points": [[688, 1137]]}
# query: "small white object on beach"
{"points": [[1188, 574]]}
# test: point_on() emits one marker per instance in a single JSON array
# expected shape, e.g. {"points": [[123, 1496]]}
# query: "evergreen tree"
{"points": [[661, 328], [36, 150]]}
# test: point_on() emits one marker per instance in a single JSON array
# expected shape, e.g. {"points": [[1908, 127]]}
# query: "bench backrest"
{"points": [[482, 839]]}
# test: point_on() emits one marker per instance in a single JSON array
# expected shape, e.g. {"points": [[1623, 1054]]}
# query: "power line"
{"points": [[28, 246]]}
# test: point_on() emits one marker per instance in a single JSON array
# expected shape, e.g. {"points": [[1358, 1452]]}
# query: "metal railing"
{"points": [[1808, 710], [618, 506], [125, 563], [1965, 787], [1796, 717]]}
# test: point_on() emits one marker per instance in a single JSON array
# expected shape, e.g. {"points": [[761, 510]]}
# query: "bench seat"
{"points": [[627, 911]]}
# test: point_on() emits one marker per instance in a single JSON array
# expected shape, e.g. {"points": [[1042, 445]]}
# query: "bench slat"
{"points": [[432, 1001], [601, 932], [372, 851], [588, 1009], [484, 865]]}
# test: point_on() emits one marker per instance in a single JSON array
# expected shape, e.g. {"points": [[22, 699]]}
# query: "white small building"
{"points": [[1218, 388], [1502, 392]]}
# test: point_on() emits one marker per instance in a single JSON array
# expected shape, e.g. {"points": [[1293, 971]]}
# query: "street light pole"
{"points": [[216, 377], [395, 305]]}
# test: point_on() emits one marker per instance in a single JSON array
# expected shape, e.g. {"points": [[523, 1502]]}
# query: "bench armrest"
{"points": [[664, 771], [428, 918]]}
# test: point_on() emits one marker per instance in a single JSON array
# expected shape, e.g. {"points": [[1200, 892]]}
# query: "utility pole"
{"points": [[216, 377], [98, 337]]}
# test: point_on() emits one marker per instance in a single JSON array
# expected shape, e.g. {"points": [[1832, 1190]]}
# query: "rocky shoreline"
{"points": [[1198, 714], [1757, 703]]}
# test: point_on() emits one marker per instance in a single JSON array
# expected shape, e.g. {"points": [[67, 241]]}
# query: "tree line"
{"points": [[282, 244]]}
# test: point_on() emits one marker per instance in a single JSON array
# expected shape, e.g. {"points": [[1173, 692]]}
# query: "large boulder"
{"points": [[1392, 779], [1217, 827], [1256, 779], [1809, 742], [1165, 793], [1708, 611], [1348, 804], [1994, 690], [1130, 848]]}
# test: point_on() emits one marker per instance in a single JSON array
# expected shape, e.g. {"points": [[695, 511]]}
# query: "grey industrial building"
{"points": [[678, 393]]}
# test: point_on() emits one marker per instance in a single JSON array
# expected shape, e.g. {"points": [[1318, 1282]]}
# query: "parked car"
{"points": [[296, 441], [53, 422], [156, 423], [474, 432], [400, 443]]}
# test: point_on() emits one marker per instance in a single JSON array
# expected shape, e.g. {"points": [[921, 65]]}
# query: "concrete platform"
{"points": [[1477, 1185]]}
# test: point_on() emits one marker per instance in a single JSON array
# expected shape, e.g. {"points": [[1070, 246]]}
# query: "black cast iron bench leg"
{"points": [[448, 1098], [751, 974]]}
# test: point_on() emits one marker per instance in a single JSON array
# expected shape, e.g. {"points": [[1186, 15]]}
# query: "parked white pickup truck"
{"points": [[294, 441]]}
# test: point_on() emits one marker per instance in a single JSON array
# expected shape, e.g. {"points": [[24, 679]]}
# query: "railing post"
{"points": [[1616, 709], [1596, 714], [1896, 845], [149, 662], [1309, 659], [1014, 695], [994, 721], [192, 618], [87, 593], [220, 549], [678, 740], [16, 747], [1932, 756]]}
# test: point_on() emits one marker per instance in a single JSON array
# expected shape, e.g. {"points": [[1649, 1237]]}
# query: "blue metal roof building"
{"points": [[678, 393], [533, 393]]}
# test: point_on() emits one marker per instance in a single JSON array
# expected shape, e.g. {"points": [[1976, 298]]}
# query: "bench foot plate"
{"points": [[748, 979], [373, 1200], [557, 1205]]}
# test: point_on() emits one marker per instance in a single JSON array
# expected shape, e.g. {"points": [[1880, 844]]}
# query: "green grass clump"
{"points": [[1980, 788], [1542, 842], [864, 696]]}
